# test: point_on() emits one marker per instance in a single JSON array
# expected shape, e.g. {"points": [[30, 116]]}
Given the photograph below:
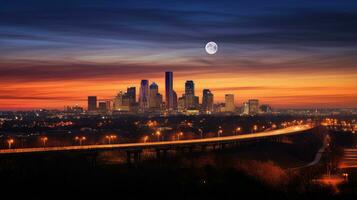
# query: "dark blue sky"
{"points": [[66, 40]]}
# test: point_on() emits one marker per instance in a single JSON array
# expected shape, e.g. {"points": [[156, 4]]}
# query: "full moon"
{"points": [[211, 48]]}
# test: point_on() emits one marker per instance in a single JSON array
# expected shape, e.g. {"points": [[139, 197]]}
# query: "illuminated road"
{"points": [[349, 159], [167, 144]]}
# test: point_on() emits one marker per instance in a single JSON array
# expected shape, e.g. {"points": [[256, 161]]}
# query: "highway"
{"points": [[166, 144]]}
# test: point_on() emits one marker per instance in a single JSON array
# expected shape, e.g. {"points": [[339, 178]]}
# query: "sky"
{"points": [[287, 53]]}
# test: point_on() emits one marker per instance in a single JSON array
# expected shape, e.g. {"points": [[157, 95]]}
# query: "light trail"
{"points": [[148, 145]]}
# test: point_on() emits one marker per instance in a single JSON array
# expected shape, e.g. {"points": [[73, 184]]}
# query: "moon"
{"points": [[211, 48]]}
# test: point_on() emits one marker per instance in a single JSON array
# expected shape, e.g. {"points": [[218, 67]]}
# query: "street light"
{"points": [[10, 142], [80, 139], [146, 138], [255, 128], [219, 132], [44, 140], [110, 138], [201, 133], [238, 129], [179, 134], [158, 133]]}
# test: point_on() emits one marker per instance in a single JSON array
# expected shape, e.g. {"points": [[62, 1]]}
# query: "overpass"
{"points": [[136, 148]]}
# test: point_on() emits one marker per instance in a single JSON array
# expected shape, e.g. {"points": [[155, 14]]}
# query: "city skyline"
{"points": [[53, 55]]}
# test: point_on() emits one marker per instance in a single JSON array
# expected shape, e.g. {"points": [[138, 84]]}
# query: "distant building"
{"points": [[253, 106], [92, 103], [144, 95], [181, 104], [265, 108], [74, 109], [207, 101], [174, 100], [103, 106], [169, 92], [191, 101], [245, 108], [131, 92], [122, 102], [229, 103]]}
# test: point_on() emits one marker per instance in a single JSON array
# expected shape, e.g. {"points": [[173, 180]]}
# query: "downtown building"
{"points": [[207, 102], [144, 96], [229, 103]]}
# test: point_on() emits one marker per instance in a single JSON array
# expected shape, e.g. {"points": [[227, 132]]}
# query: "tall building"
{"points": [[190, 88], [245, 109], [122, 102], [174, 100], [103, 106], [265, 108], [153, 92], [253, 106], [131, 92], [92, 103], [169, 92], [207, 101], [191, 101], [229, 103], [144, 95]]}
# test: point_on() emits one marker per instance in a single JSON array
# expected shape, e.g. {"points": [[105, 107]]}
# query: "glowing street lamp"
{"points": [[158, 133], [238, 130], [44, 140], [219, 133], [110, 138], [255, 128], [10, 142], [201, 133], [146, 138], [80, 139], [179, 134]]}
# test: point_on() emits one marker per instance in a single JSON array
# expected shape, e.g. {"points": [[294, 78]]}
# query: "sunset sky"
{"points": [[287, 53]]}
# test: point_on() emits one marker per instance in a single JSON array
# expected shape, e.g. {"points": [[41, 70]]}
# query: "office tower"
{"points": [[229, 103], [265, 108], [181, 104], [207, 101], [245, 108], [92, 103], [131, 92], [169, 93], [174, 100], [253, 106], [190, 88], [144, 95], [153, 92], [122, 102], [103, 106], [191, 101]]}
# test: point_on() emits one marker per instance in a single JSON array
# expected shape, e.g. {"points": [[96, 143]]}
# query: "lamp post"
{"points": [[201, 133], [110, 138], [44, 140], [80, 139], [10, 142], [158, 133], [219, 133], [238, 129], [179, 134], [146, 138]]}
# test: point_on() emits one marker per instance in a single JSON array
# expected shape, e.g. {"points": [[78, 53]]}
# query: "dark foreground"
{"points": [[260, 170]]}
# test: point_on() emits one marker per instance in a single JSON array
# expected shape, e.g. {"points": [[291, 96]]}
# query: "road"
{"points": [[349, 159], [163, 144]]}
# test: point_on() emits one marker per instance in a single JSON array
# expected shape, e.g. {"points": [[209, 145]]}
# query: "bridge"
{"points": [[135, 149]]}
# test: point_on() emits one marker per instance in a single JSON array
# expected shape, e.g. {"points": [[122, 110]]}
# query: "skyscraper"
{"points": [[175, 100], [153, 92], [253, 106], [144, 95], [229, 103], [207, 101], [169, 95], [131, 92], [190, 88], [92, 103], [191, 101]]}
